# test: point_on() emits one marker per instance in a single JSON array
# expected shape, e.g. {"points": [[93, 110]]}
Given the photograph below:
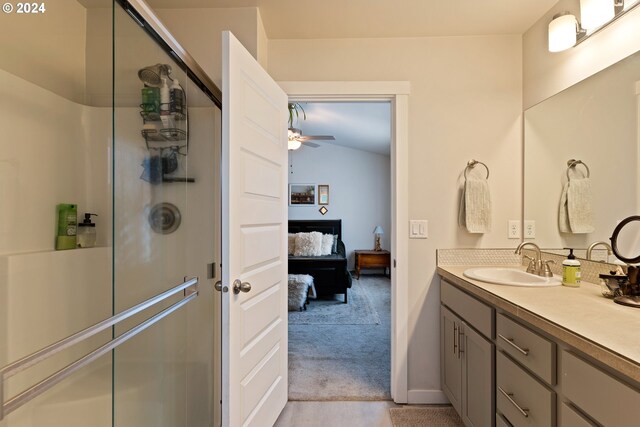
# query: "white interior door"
{"points": [[254, 250]]}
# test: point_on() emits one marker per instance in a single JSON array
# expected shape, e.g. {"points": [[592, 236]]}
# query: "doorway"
{"points": [[339, 344], [397, 93]]}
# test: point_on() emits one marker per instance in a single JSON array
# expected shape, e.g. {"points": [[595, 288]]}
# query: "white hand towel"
{"points": [[579, 206], [477, 205], [563, 215], [462, 213]]}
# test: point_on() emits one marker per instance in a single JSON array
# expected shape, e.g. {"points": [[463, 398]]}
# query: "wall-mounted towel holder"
{"points": [[471, 164], [572, 163]]}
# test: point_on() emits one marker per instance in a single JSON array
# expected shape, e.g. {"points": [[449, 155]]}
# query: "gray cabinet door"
{"points": [[450, 363], [477, 379]]}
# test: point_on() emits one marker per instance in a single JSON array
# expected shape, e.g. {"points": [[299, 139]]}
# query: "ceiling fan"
{"points": [[296, 139]]}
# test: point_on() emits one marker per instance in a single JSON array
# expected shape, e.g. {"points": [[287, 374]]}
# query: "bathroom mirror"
{"points": [[596, 121]]}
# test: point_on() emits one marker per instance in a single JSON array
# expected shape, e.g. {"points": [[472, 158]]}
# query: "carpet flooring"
{"points": [[425, 416], [344, 361], [333, 311]]}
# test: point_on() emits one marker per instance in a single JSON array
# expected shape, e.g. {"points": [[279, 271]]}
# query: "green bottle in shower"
{"points": [[67, 215]]}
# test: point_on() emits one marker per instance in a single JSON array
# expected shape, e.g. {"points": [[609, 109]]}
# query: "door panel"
{"points": [[254, 202], [451, 362]]}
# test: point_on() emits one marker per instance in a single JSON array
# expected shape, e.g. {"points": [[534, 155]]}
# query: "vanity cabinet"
{"points": [[467, 357], [525, 375]]}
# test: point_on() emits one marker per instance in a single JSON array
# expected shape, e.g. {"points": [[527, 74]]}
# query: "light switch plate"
{"points": [[418, 229]]}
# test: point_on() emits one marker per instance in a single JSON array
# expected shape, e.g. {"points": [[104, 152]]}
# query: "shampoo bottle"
{"points": [[87, 232], [164, 97], [571, 270], [176, 95], [67, 215]]}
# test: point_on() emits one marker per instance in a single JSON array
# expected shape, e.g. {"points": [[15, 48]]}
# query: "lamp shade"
{"points": [[378, 230], [563, 32], [595, 13]]}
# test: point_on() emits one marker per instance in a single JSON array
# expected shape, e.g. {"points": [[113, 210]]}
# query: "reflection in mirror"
{"points": [[595, 121]]}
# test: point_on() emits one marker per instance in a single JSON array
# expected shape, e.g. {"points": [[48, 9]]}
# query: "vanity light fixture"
{"points": [[595, 13], [565, 31]]}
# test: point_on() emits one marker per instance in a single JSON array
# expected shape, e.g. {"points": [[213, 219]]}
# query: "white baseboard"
{"points": [[427, 397]]}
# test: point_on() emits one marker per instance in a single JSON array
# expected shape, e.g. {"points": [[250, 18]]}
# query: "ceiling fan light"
{"points": [[595, 13], [294, 144], [563, 32]]}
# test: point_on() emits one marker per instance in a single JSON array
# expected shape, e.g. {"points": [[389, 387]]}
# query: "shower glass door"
{"points": [[85, 126], [164, 205]]}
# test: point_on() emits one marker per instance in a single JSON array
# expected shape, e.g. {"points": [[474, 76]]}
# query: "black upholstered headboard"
{"points": [[325, 226]]}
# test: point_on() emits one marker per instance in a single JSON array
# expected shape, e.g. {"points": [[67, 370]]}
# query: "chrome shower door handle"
{"points": [[239, 286]]}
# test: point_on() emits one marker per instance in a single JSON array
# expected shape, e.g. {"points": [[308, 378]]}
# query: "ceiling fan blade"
{"points": [[317, 137], [311, 144]]}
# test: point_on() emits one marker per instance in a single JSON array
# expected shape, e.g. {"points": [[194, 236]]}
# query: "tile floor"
{"points": [[336, 414]]}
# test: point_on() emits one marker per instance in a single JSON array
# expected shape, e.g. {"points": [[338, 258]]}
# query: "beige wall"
{"points": [[465, 102], [55, 42], [200, 32], [545, 73]]}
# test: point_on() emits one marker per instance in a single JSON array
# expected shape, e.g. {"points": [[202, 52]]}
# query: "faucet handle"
{"points": [[547, 270], [531, 268]]}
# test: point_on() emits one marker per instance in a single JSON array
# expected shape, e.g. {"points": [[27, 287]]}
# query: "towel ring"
{"points": [[572, 163], [471, 163]]}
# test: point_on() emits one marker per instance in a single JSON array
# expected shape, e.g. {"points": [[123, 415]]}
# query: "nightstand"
{"points": [[372, 259]]}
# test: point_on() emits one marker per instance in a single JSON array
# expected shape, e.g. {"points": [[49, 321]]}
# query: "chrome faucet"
{"points": [[536, 264], [593, 245]]}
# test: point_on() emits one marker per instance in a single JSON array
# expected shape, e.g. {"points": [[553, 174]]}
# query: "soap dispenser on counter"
{"points": [[87, 232], [571, 270]]}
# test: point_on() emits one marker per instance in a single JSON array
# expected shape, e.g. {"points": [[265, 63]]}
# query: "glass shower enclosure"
{"points": [[108, 319]]}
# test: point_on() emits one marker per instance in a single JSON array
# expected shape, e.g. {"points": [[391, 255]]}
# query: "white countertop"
{"points": [[609, 332]]}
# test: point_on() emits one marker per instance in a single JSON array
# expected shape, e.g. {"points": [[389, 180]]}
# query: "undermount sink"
{"points": [[510, 277]]}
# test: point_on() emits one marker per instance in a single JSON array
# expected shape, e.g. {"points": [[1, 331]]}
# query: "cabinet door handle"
{"points": [[509, 341], [460, 338], [524, 412], [455, 337]]}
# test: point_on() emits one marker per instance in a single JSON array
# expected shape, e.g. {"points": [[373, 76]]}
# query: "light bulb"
{"points": [[294, 144], [595, 13], [563, 32]]}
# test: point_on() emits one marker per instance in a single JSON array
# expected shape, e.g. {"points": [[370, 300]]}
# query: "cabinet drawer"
{"points": [[501, 421], [570, 418], [597, 393], [468, 308], [530, 349], [522, 399]]}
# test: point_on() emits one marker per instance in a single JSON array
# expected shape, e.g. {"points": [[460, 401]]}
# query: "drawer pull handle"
{"points": [[524, 412], [455, 337], [524, 351]]}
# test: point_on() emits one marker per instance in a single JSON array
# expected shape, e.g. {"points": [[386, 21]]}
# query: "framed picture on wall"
{"points": [[302, 194], [323, 194]]}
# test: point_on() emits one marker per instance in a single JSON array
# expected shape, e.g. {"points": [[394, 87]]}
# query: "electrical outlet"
{"points": [[513, 231], [529, 229]]}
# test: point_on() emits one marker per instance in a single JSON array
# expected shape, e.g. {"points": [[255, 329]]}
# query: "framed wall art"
{"points": [[323, 194], [302, 194]]}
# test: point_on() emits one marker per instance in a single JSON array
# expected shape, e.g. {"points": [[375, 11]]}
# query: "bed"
{"points": [[329, 272]]}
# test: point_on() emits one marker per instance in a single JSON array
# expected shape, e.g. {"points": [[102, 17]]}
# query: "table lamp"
{"points": [[378, 231]]}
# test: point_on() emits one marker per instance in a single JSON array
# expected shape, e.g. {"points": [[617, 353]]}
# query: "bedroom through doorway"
{"points": [[340, 185]]}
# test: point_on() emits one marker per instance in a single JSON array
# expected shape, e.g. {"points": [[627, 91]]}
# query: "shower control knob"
{"points": [[239, 286]]}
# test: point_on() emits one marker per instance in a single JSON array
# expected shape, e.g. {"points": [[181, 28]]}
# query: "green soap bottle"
{"points": [[571, 270], [67, 215]]}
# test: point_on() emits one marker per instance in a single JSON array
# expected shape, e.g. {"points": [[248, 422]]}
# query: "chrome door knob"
{"points": [[239, 286], [218, 287]]}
